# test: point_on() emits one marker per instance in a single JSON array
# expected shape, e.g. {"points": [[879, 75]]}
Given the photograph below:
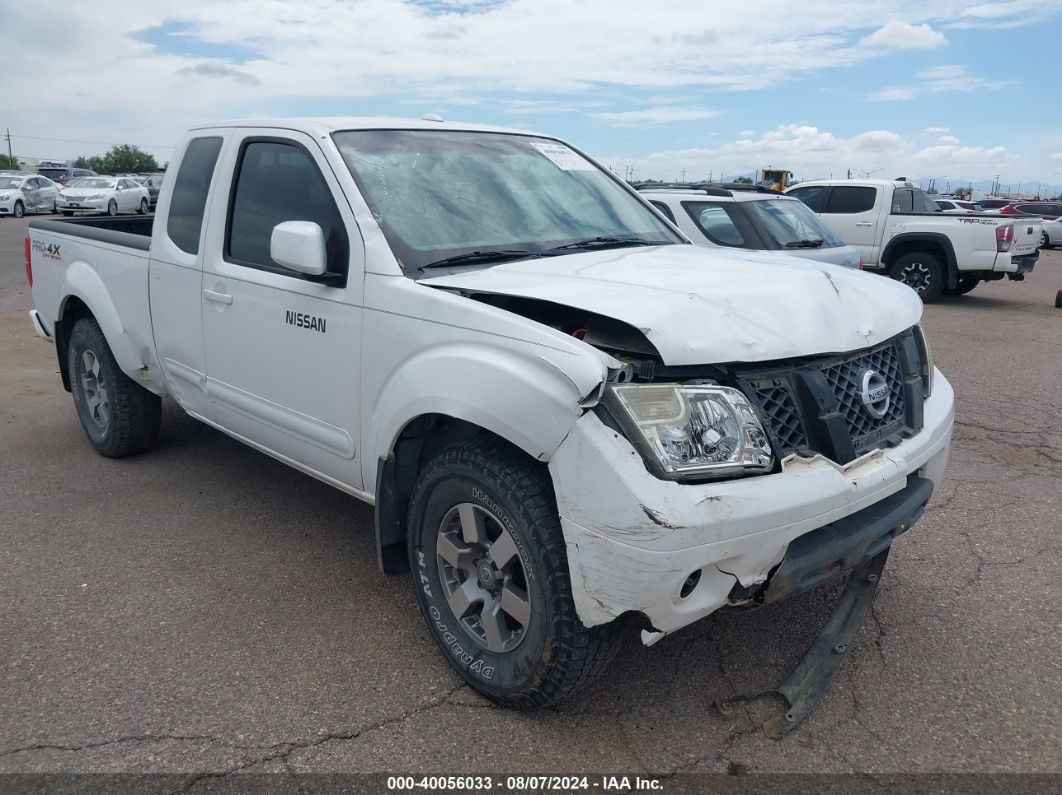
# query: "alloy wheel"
{"points": [[916, 276], [94, 389], [483, 577]]}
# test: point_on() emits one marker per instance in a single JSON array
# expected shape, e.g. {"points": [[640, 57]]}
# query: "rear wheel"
{"points": [[966, 283], [68, 212], [118, 415], [922, 272], [491, 577]]}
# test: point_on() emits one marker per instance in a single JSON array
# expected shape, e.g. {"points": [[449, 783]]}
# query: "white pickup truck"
{"points": [[569, 419], [900, 231]]}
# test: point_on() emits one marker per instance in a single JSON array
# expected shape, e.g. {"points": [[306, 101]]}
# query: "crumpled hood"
{"points": [[709, 306]]}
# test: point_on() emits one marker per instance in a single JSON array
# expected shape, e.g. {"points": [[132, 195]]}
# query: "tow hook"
{"points": [[812, 676]]}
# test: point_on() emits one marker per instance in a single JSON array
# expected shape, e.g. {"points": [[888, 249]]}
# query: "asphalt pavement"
{"points": [[204, 609]]}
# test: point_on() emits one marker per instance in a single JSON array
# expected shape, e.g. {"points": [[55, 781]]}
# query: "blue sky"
{"points": [[952, 88]]}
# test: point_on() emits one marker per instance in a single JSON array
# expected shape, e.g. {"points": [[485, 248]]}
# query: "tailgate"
{"points": [[1026, 237]]}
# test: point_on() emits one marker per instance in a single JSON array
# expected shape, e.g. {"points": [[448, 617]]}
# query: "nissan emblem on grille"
{"points": [[875, 394]]}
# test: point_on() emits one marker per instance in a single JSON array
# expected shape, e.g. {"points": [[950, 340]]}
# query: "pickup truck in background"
{"points": [[570, 421], [900, 231]]}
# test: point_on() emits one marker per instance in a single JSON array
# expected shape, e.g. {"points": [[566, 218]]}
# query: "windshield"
{"points": [[52, 173], [791, 224], [91, 182], [10, 182], [443, 194]]}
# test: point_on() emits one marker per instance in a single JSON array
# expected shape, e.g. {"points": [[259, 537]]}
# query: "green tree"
{"points": [[121, 159], [8, 163], [743, 180]]}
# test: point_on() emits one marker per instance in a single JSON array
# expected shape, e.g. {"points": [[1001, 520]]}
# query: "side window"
{"points": [[814, 196], [184, 224], [277, 182], [847, 199], [945, 205], [718, 222], [903, 200], [665, 210]]}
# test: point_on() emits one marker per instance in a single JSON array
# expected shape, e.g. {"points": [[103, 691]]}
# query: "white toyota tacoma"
{"points": [[569, 419], [900, 231]]}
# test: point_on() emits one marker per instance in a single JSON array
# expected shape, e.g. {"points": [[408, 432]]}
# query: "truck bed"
{"points": [[133, 231]]}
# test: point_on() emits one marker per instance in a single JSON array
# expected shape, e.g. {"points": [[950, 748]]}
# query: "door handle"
{"points": [[864, 223], [218, 298]]}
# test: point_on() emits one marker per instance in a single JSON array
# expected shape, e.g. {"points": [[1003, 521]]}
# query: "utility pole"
{"points": [[683, 176], [9, 155]]}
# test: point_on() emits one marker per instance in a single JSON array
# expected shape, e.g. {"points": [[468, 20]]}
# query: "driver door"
{"points": [[283, 350]]}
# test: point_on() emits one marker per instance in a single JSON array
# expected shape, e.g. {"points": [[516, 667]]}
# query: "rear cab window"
{"points": [[184, 224], [277, 181]]}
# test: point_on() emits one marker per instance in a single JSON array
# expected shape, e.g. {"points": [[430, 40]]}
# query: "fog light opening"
{"points": [[690, 584]]}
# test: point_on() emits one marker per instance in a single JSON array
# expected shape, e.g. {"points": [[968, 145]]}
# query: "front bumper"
{"points": [[95, 206], [634, 540]]}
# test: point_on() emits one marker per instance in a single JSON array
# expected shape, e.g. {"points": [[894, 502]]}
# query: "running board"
{"points": [[812, 676]]}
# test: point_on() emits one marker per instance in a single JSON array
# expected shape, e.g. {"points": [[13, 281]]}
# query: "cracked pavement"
{"points": [[204, 610]]}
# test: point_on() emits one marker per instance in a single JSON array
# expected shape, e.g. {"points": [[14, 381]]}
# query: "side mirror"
{"points": [[299, 246]]}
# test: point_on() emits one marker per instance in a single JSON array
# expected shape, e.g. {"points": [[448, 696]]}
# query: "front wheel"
{"points": [[1045, 241], [922, 272], [491, 577], [118, 415], [112, 208], [143, 206], [20, 209]]}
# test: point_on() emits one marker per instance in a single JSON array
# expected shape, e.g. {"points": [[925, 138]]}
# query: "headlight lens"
{"points": [[4, 198], [927, 361], [688, 432], [97, 196]]}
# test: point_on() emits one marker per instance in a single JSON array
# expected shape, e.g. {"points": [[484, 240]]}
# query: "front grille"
{"points": [[816, 406], [775, 399], [845, 380]]}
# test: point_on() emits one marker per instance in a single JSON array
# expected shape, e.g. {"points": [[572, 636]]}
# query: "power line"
{"points": [[74, 141]]}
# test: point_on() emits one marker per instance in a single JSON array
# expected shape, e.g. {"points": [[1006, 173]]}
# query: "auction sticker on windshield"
{"points": [[563, 157]]}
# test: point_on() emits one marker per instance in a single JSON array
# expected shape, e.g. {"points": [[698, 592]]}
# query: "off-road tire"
{"points": [[135, 415], [922, 272], [557, 656], [966, 284], [19, 210]]}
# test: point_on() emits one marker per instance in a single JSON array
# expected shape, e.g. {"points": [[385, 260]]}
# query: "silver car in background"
{"points": [[110, 195], [759, 221]]}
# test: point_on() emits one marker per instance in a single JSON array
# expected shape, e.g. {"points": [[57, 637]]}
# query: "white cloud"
{"points": [[747, 133], [654, 116], [898, 35], [947, 140], [812, 152], [937, 129], [937, 80], [1056, 156]]}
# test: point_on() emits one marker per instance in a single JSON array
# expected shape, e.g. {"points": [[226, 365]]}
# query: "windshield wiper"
{"points": [[804, 244], [604, 242], [470, 257]]}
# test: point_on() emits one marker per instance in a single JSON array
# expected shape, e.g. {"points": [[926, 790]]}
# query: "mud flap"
{"points": [[811, 678]]}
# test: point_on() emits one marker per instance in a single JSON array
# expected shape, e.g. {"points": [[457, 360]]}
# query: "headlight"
{"points": [[687, 432], [5, 197], [926, 356], [97, 196]]}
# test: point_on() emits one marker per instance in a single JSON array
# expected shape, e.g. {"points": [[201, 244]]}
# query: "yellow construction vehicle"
{"points": [[775, 178]]}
